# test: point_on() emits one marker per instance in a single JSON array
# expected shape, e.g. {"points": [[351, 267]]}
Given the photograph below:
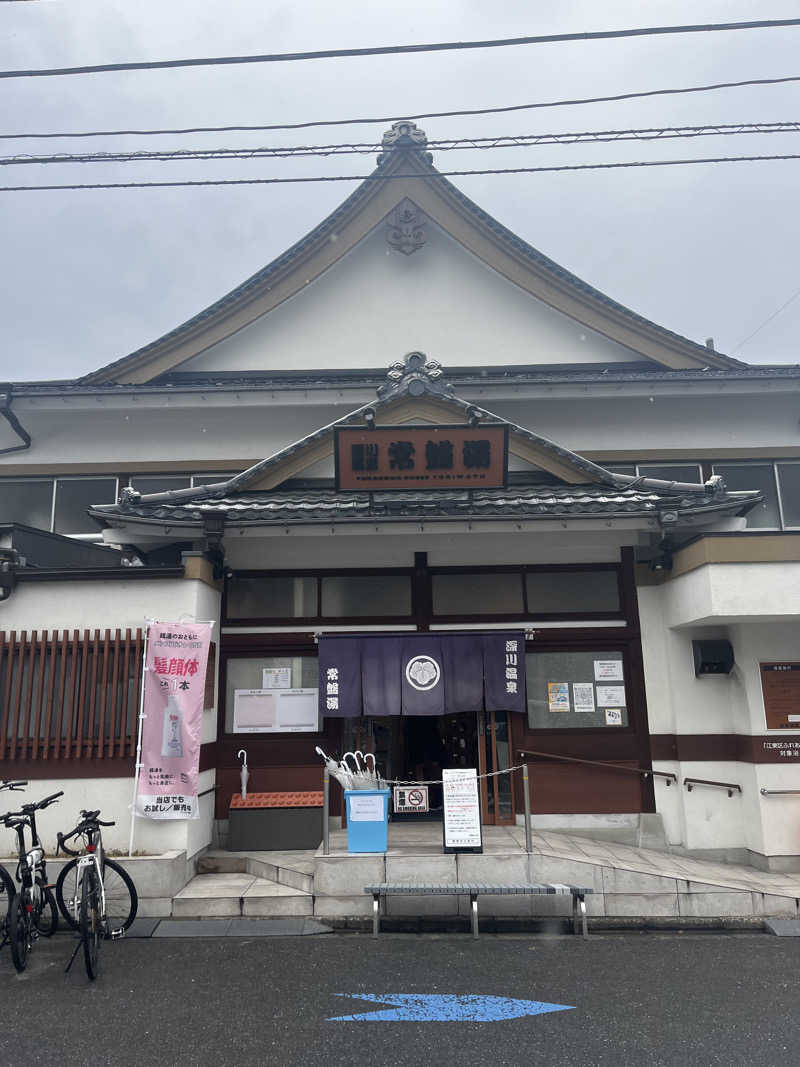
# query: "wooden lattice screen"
{"points": [[69, 694]]}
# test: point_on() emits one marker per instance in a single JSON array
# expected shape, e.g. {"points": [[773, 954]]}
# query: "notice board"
{"points": [[462, 810], [780, 685]]}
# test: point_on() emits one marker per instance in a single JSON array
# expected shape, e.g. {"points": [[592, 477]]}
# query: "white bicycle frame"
{"points": [[89, 860]]}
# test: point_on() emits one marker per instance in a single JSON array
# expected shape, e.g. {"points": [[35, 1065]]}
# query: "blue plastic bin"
{"points": [[367, 819]]}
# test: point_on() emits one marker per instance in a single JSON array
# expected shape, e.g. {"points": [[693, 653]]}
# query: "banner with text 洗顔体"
{"points": [[174, 689]]}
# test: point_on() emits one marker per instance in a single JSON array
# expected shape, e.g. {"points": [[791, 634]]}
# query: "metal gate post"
{"points": [[326, 805], [527, 795]]}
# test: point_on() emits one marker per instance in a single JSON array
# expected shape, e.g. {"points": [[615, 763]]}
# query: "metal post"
{"points": [[527, 794], [326, 806], [142, 717]]}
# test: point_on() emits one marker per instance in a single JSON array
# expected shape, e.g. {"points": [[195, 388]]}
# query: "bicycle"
{"points": [[33, 911], [95, 895], [8, 886]]}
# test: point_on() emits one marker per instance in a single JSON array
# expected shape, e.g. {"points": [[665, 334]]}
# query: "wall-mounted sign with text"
{"points": [[780, 685], [422, 457]]}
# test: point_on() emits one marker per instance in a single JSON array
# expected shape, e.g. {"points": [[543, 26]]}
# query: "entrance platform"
{"points": [[628, 882]]}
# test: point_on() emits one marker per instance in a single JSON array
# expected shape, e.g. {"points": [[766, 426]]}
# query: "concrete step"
{"points": [[230, 894], [290, 869]]}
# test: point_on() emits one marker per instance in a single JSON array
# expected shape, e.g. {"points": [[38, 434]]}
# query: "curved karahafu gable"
{"points": [[405, 183]]}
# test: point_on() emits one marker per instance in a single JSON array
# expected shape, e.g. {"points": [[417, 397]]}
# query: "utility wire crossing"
{"points": [[405, 49], [526, 140], [432, 176], [383, 119]]}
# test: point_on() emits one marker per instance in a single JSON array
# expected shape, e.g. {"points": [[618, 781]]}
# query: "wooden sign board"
{"points": [[780, 684], [422, 457]]}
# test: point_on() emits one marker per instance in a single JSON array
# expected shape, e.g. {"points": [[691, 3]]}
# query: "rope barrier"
{"points": [[438, 781]]}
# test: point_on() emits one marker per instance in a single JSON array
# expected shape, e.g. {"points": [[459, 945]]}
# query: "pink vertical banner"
{"points": [[174, 688]]}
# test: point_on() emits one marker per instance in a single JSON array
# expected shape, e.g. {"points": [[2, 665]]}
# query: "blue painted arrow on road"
{"points": [[430, 1007]]}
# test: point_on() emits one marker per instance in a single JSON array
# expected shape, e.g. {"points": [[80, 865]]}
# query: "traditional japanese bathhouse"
{"points": [[446, 503]]}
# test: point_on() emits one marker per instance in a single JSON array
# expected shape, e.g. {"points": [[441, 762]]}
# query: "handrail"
{"points": [[641, 771], [779, 792], [730, 786]]}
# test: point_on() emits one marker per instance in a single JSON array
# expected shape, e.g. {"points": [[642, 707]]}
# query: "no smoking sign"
{"points": [[410, 799]]}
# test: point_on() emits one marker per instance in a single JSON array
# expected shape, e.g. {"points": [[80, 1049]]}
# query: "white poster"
{"points": [[368, 808], [608, 670], [613, 716], [277, 711], [610, 695], [276, 678], [583, 696], [462, 809]]}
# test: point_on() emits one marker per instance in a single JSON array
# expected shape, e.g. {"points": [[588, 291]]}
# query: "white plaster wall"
{"points": [[113, 796], [441, 300], [726, 592], [200, 431]]}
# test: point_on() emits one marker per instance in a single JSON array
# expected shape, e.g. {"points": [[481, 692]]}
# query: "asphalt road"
{"points": [[637, 999]]}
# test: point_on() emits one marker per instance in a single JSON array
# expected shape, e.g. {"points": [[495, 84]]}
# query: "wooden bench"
{"points": [[473, 891]]}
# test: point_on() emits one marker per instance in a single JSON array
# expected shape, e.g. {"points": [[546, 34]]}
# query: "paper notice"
{"points": [[558, 696], [276, 678], [583, 696], [368, 808], [610, 695], [613, 716], [608, 670]]}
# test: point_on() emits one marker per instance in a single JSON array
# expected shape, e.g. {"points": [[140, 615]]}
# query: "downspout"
{"points": [[14, 423]]}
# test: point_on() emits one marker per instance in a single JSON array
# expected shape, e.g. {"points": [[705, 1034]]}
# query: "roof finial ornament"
{"points": [[405, 229], [404, 136], [415, 375]]}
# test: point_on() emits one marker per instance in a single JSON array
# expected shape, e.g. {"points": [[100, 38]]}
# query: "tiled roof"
{"points": [[523, 501], [277, 800]]}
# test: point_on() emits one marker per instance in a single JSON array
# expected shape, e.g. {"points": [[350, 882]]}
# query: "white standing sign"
{"points": [[462, 810]]}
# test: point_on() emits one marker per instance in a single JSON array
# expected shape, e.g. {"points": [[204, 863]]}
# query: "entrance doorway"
{"points": [[494, 729]]}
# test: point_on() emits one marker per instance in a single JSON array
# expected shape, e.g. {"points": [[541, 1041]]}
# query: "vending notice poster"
{"points": [[462, 810], [174, 687], [558, 696]]}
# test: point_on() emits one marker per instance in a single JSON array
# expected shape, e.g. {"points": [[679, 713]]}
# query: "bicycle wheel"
{"points": [[47, 919], [18, 931], [122, 900], [7, 890], [68, 893], [90, 921]]}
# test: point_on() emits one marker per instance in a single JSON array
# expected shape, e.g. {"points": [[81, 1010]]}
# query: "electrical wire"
{"points": [[404, 49], [527, 140], [391, 177], [507, 109], [768, 320]]}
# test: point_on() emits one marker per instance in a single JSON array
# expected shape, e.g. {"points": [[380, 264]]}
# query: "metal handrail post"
{"points": [[527, 795], [326, 807]]}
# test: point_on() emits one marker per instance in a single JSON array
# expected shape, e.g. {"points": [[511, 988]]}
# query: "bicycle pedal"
{"points": [[117, 935]]}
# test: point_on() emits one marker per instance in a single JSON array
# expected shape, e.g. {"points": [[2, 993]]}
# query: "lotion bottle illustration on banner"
{"points": [[172, 735]]}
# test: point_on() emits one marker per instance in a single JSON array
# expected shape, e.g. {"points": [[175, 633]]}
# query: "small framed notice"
{"points": [[462, 810], [780, 685]]}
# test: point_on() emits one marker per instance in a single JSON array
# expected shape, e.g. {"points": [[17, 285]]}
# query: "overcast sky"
{"points": [[88, 276]]}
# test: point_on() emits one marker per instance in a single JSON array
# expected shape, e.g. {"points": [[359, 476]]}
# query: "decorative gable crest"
{"points": [[405, 231], [415, 375]]}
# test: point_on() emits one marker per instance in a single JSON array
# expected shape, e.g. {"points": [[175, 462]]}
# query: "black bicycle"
{"points": [[95, 895], [33, 912], [8, 886]]}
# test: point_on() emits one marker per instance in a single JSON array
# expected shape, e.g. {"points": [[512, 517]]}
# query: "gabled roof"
{"points": [[405, 171], [415, 390]]}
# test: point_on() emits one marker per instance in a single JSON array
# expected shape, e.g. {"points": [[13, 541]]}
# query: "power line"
{"points": [[392, 177], [527, 140], [403, 49], [410, 118], [768, 320]]}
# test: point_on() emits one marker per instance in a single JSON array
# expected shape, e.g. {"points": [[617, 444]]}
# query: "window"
{"points": [[74, 496], [262, 672], [159, 483], [349, 596], [552, 592], [477, 594], [275, 597], [29, 503], [575, 690], [760, 476], [789, 481]]}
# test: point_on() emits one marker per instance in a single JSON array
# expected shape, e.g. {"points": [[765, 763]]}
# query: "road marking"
{"points": [[434, 1007]]}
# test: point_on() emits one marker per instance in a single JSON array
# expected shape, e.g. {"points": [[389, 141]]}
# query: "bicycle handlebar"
{"points": [[6, 784]]}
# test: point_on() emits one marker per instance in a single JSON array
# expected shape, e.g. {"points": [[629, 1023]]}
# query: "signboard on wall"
{"points": [[275, 711], [780, 684], [422, 457], [410, 798], [462, 810]]}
